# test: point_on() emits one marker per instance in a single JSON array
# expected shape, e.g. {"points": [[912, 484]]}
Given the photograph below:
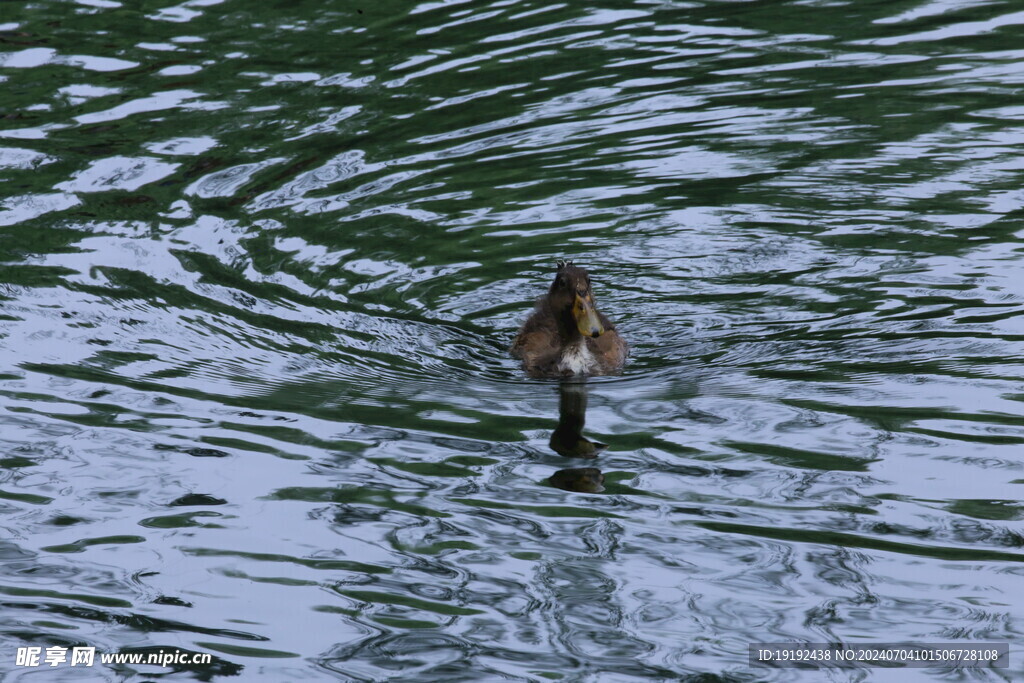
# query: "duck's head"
{"points": [[573, 302]]}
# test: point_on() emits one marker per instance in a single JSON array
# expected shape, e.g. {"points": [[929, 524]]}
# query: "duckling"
{"points": [[566, 334]]}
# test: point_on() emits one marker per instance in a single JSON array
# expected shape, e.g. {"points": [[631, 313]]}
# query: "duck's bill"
{"points": [[587, 321]]}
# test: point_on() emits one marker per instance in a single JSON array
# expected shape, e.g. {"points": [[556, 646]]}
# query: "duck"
{"points": [[566, 335]]}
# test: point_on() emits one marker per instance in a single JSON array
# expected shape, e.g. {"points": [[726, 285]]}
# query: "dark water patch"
{"points": [[238, 651], [81, 544], [191, 519], [198, 499], [851, 541], [312, 563]]}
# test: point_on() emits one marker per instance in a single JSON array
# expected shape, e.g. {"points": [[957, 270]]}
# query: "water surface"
{"points": [[262, 263]]}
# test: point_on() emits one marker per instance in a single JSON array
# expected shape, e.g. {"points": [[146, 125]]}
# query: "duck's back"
{"points": [[610, 349], [544, 355], [537, 343]]}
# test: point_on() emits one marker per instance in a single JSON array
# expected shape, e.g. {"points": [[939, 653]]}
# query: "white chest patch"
{"points": [[577, 359]]}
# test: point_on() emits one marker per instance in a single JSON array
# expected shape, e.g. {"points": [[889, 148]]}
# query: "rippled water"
{"points": [[262, 263]]}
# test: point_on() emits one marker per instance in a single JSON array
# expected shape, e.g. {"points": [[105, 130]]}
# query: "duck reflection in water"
{"points": [[568, 440], [567, 337], [578, 479]]}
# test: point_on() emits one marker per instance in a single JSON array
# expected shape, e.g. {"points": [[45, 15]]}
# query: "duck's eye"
{"points": [[563, 281]]}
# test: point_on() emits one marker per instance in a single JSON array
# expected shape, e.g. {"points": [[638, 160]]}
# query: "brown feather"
{"points": [[550, 343]]}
